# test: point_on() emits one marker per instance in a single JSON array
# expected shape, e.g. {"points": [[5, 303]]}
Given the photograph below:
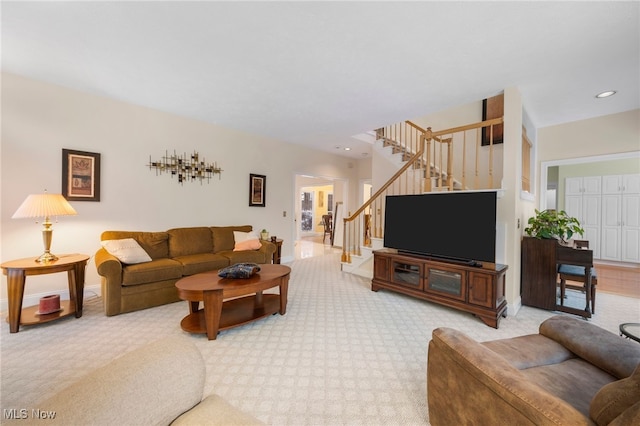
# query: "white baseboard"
{"points": [[34, 299], [513, 308]]}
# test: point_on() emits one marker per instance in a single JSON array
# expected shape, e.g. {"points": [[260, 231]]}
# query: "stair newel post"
{"points": [[345, 244], [351, 239], [352, 247], [378, 214], [426, 139]]}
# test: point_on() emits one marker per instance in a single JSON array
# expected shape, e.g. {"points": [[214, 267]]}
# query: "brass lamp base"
{"points": [[47, 257], [47, 234]]}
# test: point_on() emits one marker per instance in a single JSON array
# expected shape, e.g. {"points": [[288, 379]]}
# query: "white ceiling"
{"points": [[317, 73]]}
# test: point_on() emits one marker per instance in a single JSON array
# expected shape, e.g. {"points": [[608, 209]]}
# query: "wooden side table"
{"points": [[17, 272], [277, 255]]}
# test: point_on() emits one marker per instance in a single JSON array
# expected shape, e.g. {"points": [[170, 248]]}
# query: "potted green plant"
{"points": [[264, 235], [553, 224]]}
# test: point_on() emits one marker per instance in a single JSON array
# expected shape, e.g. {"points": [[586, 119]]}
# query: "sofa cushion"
{"points": [[615, 398], [600, 347], [127, 250], [215, 411], [156, 270], [575, 381], [223, 236], [530, 351], [196, 263], [245, 256], [186, 241], [156, 244]]}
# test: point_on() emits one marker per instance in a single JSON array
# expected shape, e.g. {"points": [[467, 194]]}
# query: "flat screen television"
{"points": [[456, 226]]}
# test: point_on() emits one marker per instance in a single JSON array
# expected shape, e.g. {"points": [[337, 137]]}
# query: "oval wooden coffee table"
{"points": [[247, 302]]}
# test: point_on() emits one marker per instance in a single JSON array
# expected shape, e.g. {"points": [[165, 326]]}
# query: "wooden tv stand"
{"points": [[475, 289]]}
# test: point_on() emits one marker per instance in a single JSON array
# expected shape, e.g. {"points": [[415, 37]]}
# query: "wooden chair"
{"points": [[576, 274], [327, 221]]}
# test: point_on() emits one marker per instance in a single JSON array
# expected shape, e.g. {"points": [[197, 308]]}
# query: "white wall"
{"points": [[604, 135], [585, 141], [40, 119]]}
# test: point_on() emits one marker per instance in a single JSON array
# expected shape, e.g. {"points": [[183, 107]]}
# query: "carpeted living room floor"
{"points": [[342, 355]]}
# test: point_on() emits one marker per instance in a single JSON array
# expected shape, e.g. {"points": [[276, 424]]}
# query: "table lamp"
{"points": [[45, 205]]}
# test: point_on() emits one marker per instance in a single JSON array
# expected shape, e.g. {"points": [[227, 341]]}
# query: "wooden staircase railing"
{"points": [[429, 165]]}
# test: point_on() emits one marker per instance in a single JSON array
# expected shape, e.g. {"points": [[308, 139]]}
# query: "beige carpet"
{"points": [[342, 355]]}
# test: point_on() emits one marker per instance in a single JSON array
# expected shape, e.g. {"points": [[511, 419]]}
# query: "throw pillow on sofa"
{"points": [[246, 241], [126, 250]]}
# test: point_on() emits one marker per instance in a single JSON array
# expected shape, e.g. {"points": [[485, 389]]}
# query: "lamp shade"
{"points": [[44, 205]]}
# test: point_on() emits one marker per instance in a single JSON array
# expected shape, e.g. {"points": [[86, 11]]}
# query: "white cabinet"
{"points": [[608, 208], [621, 218], [583, 201]]}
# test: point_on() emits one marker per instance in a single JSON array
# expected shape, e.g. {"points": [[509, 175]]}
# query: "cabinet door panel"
{"points": [[592, 185], [631, 227], [481, 290], [446, 282], [573, 206], [381, 268], [573, 186], [631, 184], [611, 184], [611, 244], [408, 274], [631, 245], [631, 211], [611, 205]]}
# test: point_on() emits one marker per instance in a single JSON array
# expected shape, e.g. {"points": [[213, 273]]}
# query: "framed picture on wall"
{"points": [[257, 188], [80, 175], [492, 108]]}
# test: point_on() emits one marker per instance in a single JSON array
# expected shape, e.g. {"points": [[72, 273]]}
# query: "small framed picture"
{"points": [[257, 190], [80, 175]]}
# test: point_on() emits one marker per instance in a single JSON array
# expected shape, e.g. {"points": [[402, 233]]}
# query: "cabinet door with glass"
{"points": [[448, 282], [407, 273]]}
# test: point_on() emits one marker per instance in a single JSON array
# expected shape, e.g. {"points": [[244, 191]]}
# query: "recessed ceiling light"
{"points": [[606, 94], [347, 149]]}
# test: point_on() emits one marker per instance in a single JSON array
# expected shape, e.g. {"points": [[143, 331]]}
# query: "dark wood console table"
{"points": [[539, 274], [473, 289], [277, 255]]}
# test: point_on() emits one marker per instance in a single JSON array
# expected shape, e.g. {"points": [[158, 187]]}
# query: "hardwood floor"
{"points": [[624, 281]]}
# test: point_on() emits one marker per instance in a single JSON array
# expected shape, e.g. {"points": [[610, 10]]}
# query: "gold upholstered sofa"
{"points": [[147, 278], [570, 373]]}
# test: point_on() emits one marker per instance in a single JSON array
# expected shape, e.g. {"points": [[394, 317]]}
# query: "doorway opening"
{"points": [[316, 198]]}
